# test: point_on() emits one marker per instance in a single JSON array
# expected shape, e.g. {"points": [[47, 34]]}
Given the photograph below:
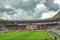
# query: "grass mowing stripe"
{"points": [[19, 36], [34, 36], [10, 36], [23, 37], [39, 35], [31, 33], [4, 35]]}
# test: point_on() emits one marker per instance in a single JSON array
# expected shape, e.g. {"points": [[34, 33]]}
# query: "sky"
{"points": [[28, 9]]}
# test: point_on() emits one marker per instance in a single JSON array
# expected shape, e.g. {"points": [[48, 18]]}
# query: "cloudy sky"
{"points": [[28, 9]]}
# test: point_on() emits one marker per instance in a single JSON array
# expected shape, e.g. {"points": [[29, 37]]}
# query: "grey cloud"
{"points": [[30, 4], [51, 5], [39, 15], [28, 8], [1, 15], [1, 4], [5, 10], [11, 13]]}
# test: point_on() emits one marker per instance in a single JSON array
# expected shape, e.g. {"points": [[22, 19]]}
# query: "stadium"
{"points": [[47, 29]]}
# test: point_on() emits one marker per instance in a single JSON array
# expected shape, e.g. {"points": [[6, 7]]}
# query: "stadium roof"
{"points": [[53, 19]]}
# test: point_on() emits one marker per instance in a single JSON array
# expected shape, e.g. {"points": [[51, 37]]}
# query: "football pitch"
{"points": [[31, 35]]}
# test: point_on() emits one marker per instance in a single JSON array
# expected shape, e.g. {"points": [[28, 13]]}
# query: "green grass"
{"points": [[39, 35]]}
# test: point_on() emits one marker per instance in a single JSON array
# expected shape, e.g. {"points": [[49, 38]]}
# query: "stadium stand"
{"points": [[30, 24]]}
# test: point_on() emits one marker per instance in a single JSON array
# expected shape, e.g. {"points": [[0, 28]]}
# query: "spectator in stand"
{"points": [[55, 38], [46, 39], [52, 38]]}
